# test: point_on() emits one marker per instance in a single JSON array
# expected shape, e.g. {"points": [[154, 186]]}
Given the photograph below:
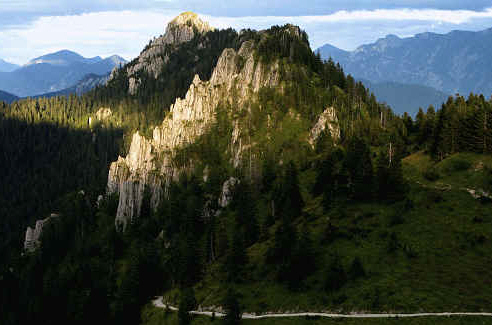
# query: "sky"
{"points": [[31, 28]]}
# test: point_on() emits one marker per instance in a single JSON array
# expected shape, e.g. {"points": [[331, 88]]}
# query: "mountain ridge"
{"points": [[54, 72], [455, 62], [7, 66], [7, 97]]}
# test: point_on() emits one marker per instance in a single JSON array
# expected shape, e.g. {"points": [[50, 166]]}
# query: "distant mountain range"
{"points": [[406, 97], [457, 62], [54, 72], [6, 97], [7, 67], [87, 83]]}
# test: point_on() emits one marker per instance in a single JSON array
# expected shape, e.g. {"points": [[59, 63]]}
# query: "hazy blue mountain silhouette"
{"points": [[7, 66], [54, 72], [457, 62], [6, 97]]}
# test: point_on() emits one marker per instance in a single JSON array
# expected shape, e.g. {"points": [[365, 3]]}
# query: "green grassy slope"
{"points": [[429, 253]]}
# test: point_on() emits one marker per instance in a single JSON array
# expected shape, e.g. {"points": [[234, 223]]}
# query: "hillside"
{"points": [[226, 169], [54, 72], [452, 63]]}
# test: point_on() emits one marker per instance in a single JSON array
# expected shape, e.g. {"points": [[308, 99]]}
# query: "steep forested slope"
{"points": [[274, 180]]}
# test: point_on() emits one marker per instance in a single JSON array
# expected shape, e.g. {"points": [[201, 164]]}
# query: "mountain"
{"points": [[7, 67], [63, 58], [180, 30], [406, 97], [457, 62], [6, 97], [54, 72], [87, 83], [329, 51], [241, 170]]}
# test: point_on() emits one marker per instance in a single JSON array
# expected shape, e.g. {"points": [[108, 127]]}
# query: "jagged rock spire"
{"points": [[180, 30]]}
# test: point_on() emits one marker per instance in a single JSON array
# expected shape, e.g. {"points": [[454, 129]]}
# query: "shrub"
{"points": [[487, 178], [434, 196], [396, 218], [410, 252], [357, 269], [336, 277], [456, 164], [431, 174], [393, 243]]}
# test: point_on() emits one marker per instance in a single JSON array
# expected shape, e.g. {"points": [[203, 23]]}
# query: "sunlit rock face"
{"points": [[327, 119], [103, 113], [33, 236], [180, 30], [227, 192], [149, 163]]}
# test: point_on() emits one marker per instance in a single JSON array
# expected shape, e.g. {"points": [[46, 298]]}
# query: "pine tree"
{"points": [[187, 303], [236, 258], [420, 126], [232, 308], [290, 201], [303, 262], [437, 148], [359, 165], [336, 277], [281, 253], [356, 269], [427, 131], [389, 177], [246, 212]]}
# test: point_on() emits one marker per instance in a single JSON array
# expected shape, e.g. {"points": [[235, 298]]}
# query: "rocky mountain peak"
{"points": [[180, 30], [189, 19]]}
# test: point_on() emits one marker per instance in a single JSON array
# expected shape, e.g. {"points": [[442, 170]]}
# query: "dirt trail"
{"points": [[158, 303]]}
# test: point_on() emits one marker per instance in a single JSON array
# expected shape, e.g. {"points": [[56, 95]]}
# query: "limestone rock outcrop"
{"points": [[180, 30], [227, 192], [33, 236], [103, 113], [149, 163], [327, 119]]}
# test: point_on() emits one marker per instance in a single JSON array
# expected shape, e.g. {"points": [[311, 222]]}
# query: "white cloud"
{"points": [[127, 32], [349, 29], [448, 16], [104, 33]]}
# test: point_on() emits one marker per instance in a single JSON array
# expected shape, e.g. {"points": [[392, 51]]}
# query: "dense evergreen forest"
{"points": [[316, 222]]}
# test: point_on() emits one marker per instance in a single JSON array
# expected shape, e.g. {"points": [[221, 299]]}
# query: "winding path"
{"points": [[158, 303]]}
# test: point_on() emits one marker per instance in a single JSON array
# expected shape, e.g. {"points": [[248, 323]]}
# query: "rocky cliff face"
{"points": [[33, 236], [180, 30], [149, 163], [327, 119]]}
